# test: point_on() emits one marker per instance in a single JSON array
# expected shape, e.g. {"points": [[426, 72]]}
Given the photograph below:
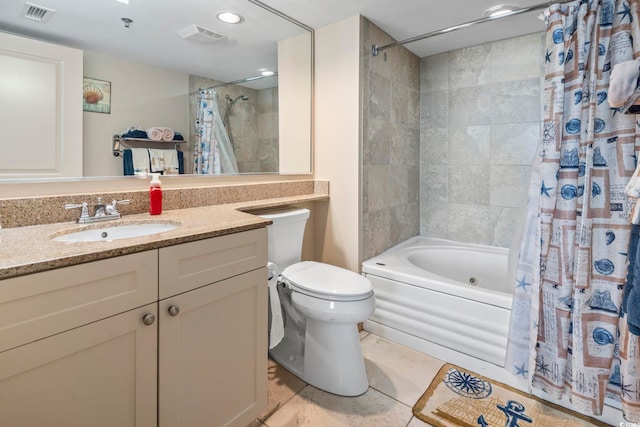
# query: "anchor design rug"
{"points": [[458, 397]]}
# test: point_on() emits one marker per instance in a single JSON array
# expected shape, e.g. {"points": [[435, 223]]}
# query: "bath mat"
{"points": [[459, 397]]}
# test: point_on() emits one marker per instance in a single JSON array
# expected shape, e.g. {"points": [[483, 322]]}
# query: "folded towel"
{"points": [[177, 136], [623, 82], [140, 161], [132, 129], [167, 134], [156, 157], [171, 163], [135, 134], [276, 329], [154, 134]]}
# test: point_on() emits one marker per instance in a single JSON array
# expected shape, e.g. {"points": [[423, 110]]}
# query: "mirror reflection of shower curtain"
{"points": [[213, 151]]}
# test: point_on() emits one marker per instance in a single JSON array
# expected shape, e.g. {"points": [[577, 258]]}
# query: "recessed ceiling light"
{"points": [[123, 1], [267, 73], [230, 17], [499, 10]]}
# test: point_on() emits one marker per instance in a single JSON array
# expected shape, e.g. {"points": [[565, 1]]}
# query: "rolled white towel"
{"points": [[167, 134], [154, 133], [623, 82]]}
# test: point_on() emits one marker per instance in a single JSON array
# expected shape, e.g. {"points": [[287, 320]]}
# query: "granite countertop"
{"points": [[26, 250]]}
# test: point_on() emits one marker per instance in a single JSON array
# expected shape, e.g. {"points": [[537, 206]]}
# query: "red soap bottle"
{"points": [[155, 195]]}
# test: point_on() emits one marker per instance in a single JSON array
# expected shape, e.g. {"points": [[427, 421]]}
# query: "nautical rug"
{"points": [[458, 397]]}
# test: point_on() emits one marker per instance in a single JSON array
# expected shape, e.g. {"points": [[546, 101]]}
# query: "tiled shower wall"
{"points": [[254, 124], [268, 131], [391, 143], [479, 129]]}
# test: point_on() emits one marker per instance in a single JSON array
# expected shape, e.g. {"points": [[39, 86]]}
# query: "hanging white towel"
{"points": [[140, 160], [276, 333], [171, 164], [156, 156]]}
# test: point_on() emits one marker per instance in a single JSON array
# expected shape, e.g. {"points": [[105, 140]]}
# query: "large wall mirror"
{"points": [[148, 61]]}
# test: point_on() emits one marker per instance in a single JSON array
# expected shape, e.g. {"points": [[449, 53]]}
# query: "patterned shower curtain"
{"points": [[213, 152], [566, 335]]}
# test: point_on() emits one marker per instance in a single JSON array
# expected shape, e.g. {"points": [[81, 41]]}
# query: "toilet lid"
{"points": [[326, 279]]}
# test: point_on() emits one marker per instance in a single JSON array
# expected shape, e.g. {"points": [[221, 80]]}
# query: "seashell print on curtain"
{"points": [[566, 334]]}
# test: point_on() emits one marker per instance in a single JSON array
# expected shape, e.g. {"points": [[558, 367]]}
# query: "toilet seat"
{"points": [[327, 281]]}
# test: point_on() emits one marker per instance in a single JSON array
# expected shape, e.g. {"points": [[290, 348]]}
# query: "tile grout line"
{"points": [[283, 404]]}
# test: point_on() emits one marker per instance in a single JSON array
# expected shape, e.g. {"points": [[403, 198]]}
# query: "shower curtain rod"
{"points": [[235, 82], [375, 49], [281, 15]]}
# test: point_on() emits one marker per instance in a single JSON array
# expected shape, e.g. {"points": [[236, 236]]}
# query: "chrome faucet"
{"points": [[101, 212], [99, 208]]}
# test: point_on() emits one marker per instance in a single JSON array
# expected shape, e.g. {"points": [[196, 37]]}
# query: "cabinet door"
{"points": [[213, 354], [100, 374]]}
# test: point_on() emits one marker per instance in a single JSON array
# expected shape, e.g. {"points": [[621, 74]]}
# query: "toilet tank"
{"points": [[285, 235]]}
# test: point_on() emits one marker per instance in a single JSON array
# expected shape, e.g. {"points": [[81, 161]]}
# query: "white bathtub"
{"points": [[444, 297]]}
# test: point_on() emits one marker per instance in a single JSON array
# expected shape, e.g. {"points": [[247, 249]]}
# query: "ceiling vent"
{"points": [[37, 13], [199, 35]]}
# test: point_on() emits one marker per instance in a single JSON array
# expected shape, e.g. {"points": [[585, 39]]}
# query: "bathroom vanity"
{"points": [[165, 330]]}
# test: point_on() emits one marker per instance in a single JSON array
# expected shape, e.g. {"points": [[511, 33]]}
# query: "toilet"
{"points": [[321, 305]]}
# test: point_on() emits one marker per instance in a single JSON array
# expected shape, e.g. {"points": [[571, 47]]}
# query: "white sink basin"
{"points": [[115, 232]]}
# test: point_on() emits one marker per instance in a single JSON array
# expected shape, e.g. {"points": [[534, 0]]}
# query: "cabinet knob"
{"points": [[174, 310], [148, 319]]}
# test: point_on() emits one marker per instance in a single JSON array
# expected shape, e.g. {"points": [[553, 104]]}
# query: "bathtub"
{"points": [[443, 298]]}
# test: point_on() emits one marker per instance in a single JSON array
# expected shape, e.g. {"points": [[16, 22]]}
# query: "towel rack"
{"points": [[120, 142]]}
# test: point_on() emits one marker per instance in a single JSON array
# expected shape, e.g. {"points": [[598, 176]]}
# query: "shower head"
{"points": [[233, 101]]}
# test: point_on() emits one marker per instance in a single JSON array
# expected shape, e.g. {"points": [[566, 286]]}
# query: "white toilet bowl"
{"points": [[322, 305], [331, 359]]}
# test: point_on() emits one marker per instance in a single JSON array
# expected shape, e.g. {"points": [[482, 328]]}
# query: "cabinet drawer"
{"points": [[192, 265], [42, 304]]}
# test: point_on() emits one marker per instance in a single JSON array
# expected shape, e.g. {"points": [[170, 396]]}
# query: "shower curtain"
{"points": [[213, 152], [566, 335]]}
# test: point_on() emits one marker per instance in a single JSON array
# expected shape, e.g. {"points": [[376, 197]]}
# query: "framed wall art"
{"points": [[96, 96]]}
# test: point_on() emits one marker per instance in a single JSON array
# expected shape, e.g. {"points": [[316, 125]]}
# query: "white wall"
{"points": [[337, 141], [142, 95]]}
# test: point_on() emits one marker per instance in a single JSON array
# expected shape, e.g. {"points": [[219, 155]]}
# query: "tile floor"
{"points": [[397, 378]]}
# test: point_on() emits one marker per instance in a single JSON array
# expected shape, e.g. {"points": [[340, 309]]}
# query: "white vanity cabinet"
{"points": [[170, 337], [213, 331], [74, 348]]}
